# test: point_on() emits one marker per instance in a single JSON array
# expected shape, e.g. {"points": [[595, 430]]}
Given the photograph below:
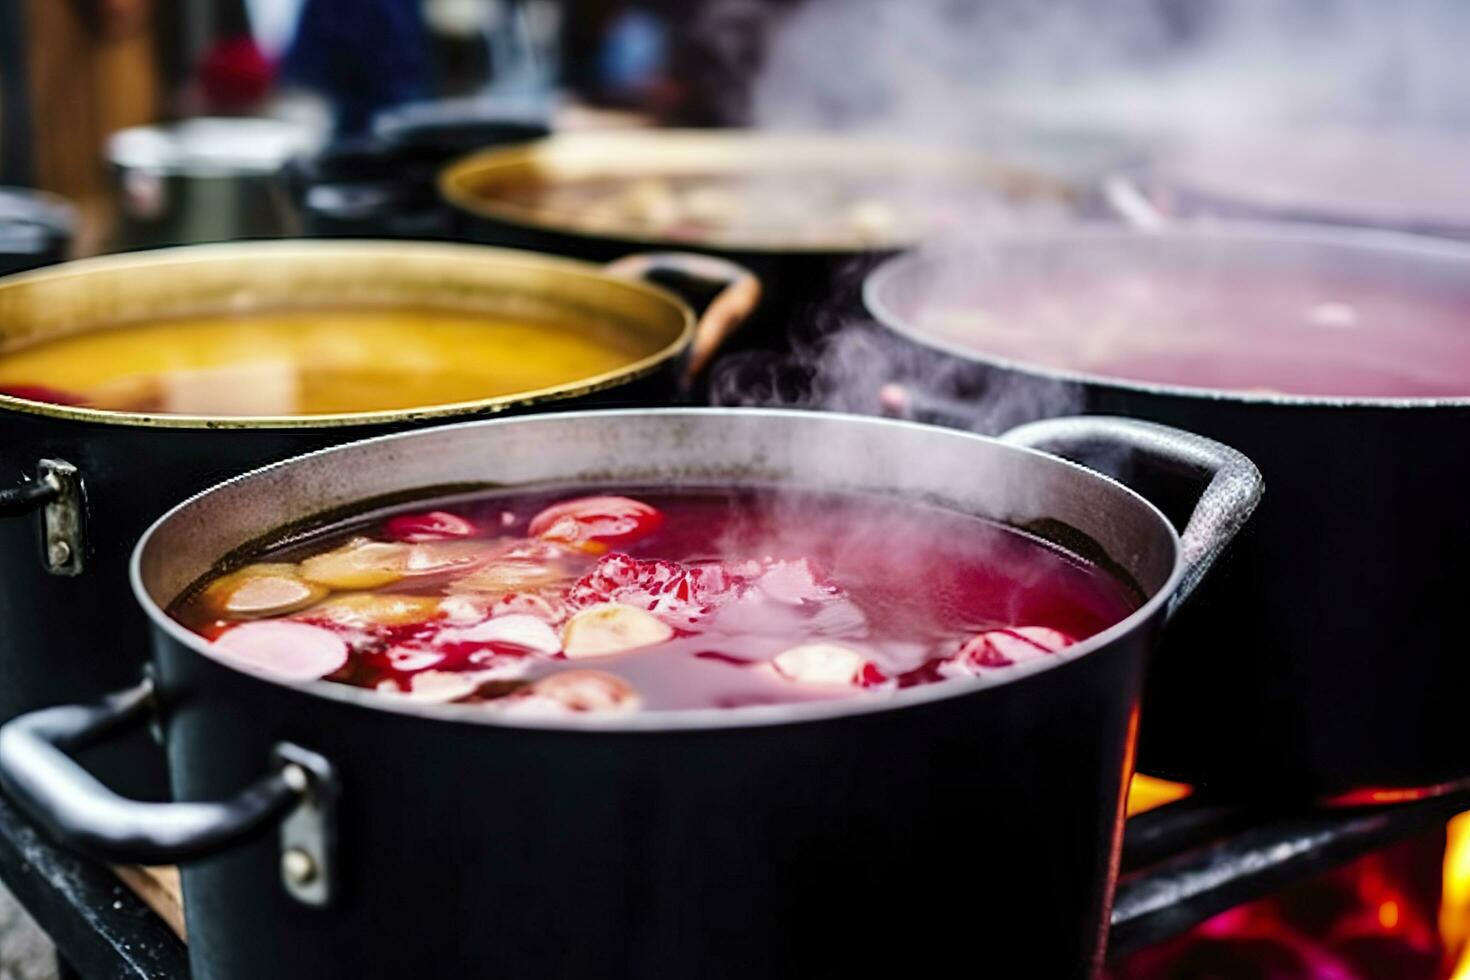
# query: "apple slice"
{"points": [[611, 627], [283, 649], [596, 524], [358, 564], [447, 557], [1007, 647], [434, 525], [578, 692], [363, 610], [518, 631], [827, 665], [261, 590]]}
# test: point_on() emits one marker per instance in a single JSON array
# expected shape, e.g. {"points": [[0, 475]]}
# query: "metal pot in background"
{"points": [[1325, 658], [1391, 177], [77, 486], [204, 180], [36, 229], [801, 276], [385, 185], [826, 839]]}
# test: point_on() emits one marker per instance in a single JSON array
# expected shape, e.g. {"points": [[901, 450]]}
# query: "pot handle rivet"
{"points": [[297, 866], [57, 492]]}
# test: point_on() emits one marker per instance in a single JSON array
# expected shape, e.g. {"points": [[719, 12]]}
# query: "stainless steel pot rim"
{"points": [[348, 248], [698, 719], [1265, 232]]}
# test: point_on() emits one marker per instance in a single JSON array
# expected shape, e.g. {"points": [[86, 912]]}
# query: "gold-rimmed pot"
{"points": [[515, 196], [78, 485]]}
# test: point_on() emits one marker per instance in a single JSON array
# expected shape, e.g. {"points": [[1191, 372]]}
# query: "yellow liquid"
{"points": [[312, 362]]}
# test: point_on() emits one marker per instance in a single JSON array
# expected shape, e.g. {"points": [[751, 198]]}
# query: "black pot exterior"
{"points": [[884, 843], [1323, 657], [70, 638], [1320, 659]]}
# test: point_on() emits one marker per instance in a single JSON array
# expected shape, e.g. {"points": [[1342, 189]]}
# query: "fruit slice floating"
{"points": [[358, 564], [1007, 647], [611, 628], [433, 558], [365, 610], [283, 649], [578, 692], [679, 594], [523, 568], [826, 664], [596, 523], [509, 634], [261, 590], [434, 525]]}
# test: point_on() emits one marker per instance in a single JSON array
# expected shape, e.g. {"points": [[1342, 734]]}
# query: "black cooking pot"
{"points": [[385, 185], [1392, 177], [78, 486], [375, 838], [802, 274], [1325, 658]]}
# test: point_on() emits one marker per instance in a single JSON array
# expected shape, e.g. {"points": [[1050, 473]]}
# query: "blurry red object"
{"points": [[235, 75]]}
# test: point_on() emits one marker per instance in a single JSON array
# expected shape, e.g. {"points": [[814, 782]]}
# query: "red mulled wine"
{"points": [[553, 602], [1309, 334]]}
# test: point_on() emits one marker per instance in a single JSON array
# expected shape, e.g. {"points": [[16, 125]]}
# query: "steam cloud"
{"points": [[1082, 86]]}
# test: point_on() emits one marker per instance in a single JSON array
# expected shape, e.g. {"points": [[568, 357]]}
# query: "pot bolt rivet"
{"points": [[296, 779], [298, 866], [59, 552]]}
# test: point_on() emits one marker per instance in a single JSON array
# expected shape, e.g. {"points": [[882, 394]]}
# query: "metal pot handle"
{"points": [[1232, 493], [39, 773], [57, 493], [739, 295]]}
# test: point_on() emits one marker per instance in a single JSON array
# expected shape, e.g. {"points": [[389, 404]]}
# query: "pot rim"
{"points": [[721, 145], [348, 248], [1263, 232], [689, 719]]}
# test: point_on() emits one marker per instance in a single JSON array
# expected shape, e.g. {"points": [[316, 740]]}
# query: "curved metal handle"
{"points": [[739, 295], [81, 813], [57, 492], [1131, 203], [1231, 495], [28, 496]]}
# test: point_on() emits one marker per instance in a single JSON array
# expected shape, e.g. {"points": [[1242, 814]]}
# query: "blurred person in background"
{"points": [[361, 55]]}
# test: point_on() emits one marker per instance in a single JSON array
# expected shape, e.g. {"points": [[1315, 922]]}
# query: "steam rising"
{"points": [[960, 72], [1081, 87]]}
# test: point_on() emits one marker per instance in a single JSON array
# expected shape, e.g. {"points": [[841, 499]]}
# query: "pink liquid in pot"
{"points": [[1262, 332], [552, 603]]}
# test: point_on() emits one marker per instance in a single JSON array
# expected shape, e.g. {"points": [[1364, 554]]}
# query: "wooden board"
{"points": [[159, 888]]}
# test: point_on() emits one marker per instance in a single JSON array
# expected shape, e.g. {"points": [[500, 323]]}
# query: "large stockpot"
{"points": [[800, 276], [1325, 660], [1391, 177], [812, 840], [78, 486]]}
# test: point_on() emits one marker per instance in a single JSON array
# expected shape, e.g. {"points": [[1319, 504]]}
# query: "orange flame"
{"points": [[1146, 792], [1454, 906]]}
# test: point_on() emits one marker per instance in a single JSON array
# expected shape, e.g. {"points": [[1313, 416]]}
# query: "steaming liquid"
{"points": [[903, 585], [1257, 333], [775, 210], [308, 362]]}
